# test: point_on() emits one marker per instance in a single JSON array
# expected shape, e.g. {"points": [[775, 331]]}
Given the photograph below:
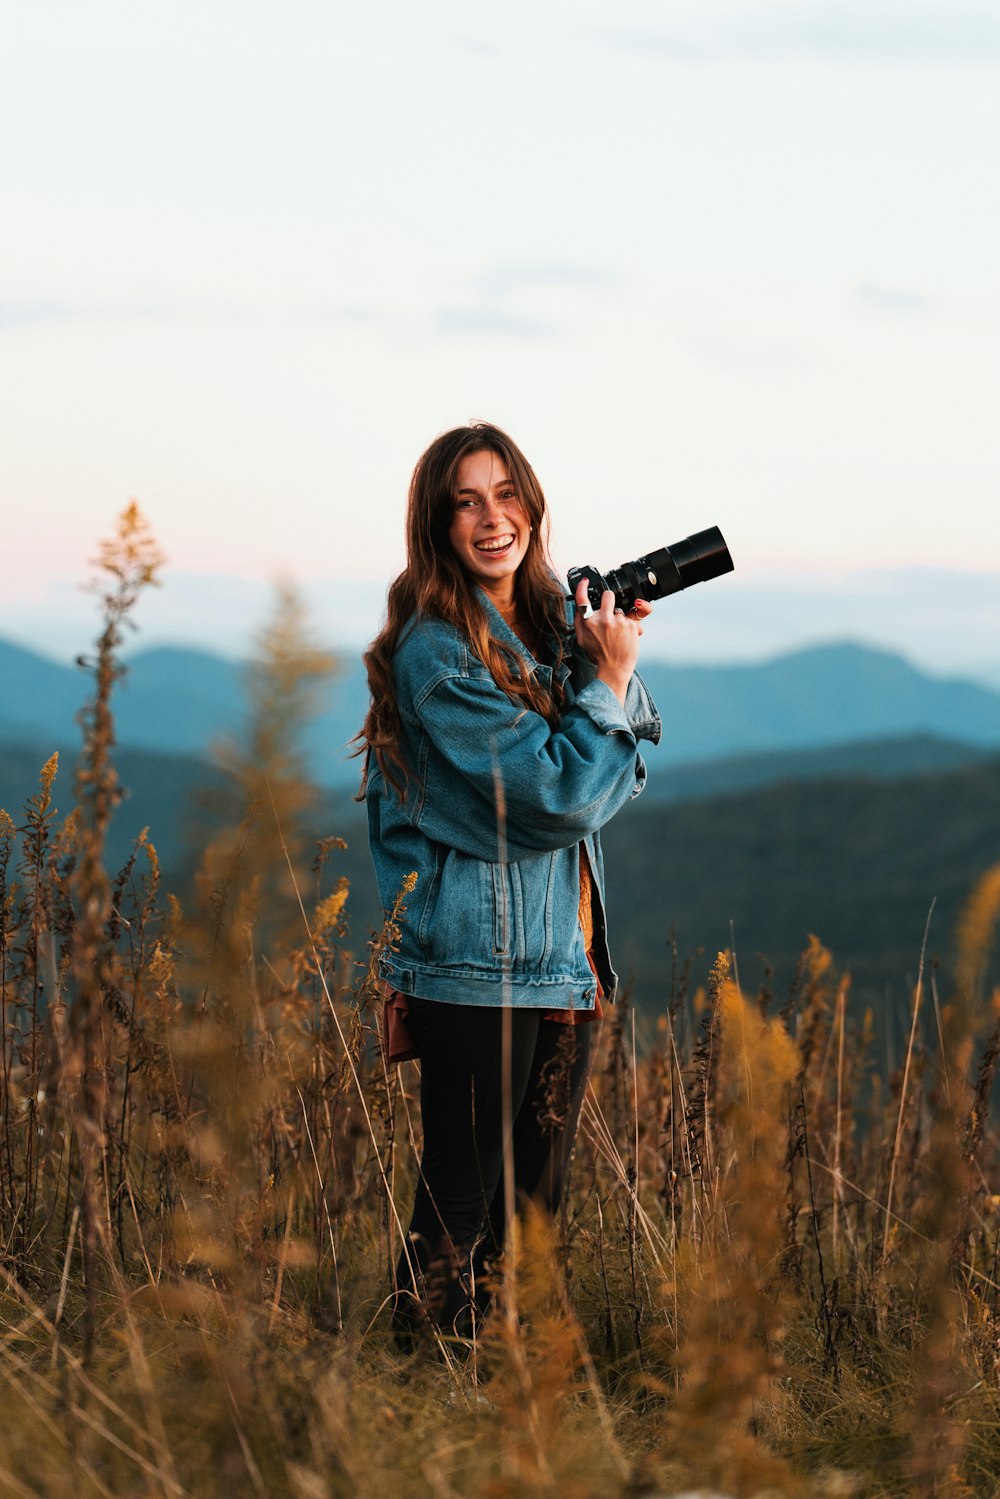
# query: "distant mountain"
{"points": [[827, 695], [176, 701], [874, 759], [181, 701], [39, 698]]}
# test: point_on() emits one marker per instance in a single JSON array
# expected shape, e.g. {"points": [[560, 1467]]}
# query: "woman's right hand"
{"points": [[610, 638]]}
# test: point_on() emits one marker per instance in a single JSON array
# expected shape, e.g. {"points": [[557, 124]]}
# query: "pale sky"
{"points": [[709, 263]]}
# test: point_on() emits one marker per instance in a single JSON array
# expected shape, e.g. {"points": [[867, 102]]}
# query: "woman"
{"points": [[499, 742]]}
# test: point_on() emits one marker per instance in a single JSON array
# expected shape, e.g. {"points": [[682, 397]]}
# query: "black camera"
{"points": [[693, 560]]}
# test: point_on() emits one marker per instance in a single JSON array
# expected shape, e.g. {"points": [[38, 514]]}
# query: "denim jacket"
{"points": [[497, 807]]}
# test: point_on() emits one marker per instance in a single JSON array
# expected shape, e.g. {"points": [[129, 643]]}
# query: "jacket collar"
{"points": [[499, 626], [502, 630]]}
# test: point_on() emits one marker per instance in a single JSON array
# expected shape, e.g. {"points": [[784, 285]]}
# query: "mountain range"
{"points": [[182, 701]]}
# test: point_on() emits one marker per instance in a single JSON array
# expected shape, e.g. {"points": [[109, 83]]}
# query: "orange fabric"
{"points": [[586, 919], [586, 909]]}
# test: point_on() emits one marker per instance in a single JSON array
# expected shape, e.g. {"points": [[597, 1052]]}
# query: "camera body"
{"points": [[696, 559]]}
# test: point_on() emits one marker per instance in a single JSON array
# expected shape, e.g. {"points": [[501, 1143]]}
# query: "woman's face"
{"points": [[489, 529]]}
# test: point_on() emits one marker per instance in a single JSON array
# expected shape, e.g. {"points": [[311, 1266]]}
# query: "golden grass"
{"points": [[775, 1273]]}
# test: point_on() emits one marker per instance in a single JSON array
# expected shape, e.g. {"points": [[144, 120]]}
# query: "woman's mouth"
{"points": [[495, 546]]}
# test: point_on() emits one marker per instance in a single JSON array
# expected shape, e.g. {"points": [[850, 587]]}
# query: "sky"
{"points": [[731, 262]]}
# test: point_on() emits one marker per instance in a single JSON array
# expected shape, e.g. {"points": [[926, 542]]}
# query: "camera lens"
{"points": [[696, 559]]}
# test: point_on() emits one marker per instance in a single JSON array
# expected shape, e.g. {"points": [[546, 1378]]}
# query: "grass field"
{"points": [[776, 1272]]}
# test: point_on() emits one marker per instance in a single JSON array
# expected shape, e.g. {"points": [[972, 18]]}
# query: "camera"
{"points": [[696, 559]]}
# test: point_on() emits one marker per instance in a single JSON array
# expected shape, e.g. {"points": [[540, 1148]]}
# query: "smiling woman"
{"points": [[489, 532], [502, 734]]}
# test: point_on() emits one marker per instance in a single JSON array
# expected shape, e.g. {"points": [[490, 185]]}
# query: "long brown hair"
{"points": [[434, 584]]}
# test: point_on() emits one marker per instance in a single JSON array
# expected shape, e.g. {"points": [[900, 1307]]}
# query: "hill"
{"points": [[181, 701], [855, 860], [881, 759], [173, 793], [168, 794]]}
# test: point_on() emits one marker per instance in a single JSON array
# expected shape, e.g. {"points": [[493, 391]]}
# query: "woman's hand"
{"points": [[610, 638]]}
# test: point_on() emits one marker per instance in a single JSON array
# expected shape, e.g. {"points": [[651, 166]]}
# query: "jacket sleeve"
{"points": [[535, 788], [640, 710]]}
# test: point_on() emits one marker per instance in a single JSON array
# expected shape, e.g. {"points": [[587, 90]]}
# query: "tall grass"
{"points": [[775, 1272]]}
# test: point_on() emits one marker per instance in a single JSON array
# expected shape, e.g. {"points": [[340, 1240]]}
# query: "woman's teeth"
{"points": [[497, 544]]}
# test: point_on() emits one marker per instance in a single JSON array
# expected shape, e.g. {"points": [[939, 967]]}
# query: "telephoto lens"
{"points": [[696, 559]]}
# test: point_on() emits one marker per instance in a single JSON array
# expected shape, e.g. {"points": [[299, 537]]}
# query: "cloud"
{"points": [[492, 306], [483, 320], [736, 351], [31, 314], [870, 296], [478, 46], [503, 280], [837, 30], [15, 315]]}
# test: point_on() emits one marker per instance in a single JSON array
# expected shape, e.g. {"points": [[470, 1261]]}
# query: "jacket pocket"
{"points": [[459, 912], [508, 911]]}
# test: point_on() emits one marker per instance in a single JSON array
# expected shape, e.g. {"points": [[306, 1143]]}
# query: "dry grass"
{"points": [[775, 1273]]}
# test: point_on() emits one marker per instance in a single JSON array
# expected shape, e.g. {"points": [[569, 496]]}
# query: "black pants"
{"points": [[459, 1219]]}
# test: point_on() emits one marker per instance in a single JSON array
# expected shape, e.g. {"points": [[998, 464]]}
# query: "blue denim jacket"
{"points": [[496, 809]]}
